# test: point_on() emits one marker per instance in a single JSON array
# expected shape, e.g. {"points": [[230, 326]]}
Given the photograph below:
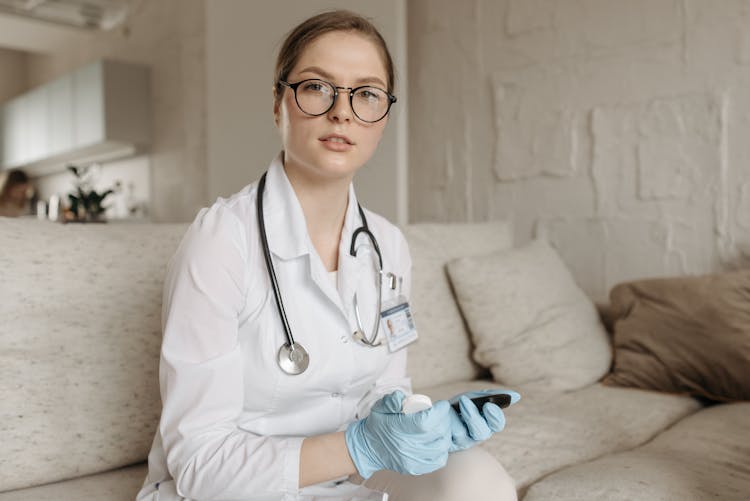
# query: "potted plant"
{"points": [[86, 204]]}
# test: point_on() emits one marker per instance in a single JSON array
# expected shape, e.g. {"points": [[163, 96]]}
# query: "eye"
{"points": [[370, 94], [316, 86]]}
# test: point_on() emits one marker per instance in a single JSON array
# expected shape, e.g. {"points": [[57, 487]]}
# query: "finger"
{"points": [[494, 416], [475, 423], [434, 421], [458, 429], [439, 412], [441, 408], [390, 404]]}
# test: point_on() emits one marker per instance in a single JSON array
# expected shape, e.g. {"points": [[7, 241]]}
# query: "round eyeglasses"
{"points": [[316, 97]]}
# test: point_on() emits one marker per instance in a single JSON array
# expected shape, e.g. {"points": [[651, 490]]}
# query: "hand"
{"points": [[387, 439], [471, 427]]}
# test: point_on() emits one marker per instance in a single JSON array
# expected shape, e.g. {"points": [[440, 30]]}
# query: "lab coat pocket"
{"points": [[260, 339]]}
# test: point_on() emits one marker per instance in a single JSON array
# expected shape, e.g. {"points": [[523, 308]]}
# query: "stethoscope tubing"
{"points": [[293, 359], [366, 230], [269, 264]]}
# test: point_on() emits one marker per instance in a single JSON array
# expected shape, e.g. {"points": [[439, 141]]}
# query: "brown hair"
{"points": [[306, 32], [11, 179]]}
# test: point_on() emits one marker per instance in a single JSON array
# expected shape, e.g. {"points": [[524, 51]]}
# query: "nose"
{"points": [[341, 110]]}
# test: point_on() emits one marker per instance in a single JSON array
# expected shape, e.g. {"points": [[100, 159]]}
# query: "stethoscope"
{"points": [[292, 357]]}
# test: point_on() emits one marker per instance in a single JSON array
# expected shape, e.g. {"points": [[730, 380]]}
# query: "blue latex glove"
{"points": [[473, 427], [412, 444]]}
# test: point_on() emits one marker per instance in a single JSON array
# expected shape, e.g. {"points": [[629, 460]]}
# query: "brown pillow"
{"points": [[684, 335]]}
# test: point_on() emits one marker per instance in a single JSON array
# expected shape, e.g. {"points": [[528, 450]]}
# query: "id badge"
{"points": [[397, 322]]}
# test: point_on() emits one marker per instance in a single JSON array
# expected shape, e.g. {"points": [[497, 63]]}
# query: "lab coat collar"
{"points": [[286, 226], [286, 229], [288, 238], [350, 267]]}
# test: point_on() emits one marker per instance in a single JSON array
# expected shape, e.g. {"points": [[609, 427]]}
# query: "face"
{"points": [[20, 193], [346, 60]]}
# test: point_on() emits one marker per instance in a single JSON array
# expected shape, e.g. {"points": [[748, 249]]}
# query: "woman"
{"points": [[15, 192], [256, 407]]}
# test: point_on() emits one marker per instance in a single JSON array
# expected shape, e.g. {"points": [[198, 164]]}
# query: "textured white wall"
{"points": [[618, 130], [169, 36]]}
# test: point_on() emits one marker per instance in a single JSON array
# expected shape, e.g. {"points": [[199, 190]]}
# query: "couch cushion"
{"points": [[704, 456], [547, 431], [79, 346], [531, 324], [684, 335], [443, 352], [116, 485]]}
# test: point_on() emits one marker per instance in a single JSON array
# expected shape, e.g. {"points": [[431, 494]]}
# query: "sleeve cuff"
{"points": [[292, 450]]}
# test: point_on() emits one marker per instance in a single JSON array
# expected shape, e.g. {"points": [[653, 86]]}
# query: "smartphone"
{"points": [[501, 398]]}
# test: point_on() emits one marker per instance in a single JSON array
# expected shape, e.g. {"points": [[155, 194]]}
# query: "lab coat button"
{"points": [[344, 339], [335, 395]]}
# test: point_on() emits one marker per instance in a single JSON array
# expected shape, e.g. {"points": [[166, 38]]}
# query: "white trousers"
{"points": [[472, 474]]}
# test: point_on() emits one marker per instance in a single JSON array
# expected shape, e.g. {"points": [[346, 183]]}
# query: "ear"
{"points": [[276, 106]]}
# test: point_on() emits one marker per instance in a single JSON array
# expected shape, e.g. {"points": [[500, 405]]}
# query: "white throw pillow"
{"points": [[531, 324], [443, 352]]}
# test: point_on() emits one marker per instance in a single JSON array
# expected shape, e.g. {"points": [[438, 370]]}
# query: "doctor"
{"points": [[273, 383]]}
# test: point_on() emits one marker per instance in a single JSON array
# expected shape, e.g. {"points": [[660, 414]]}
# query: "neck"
{"points": [[324, 203]]}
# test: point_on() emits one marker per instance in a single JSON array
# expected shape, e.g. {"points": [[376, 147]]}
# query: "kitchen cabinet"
{"points": [[34, 143], [60, 105], [98, 112], [88, 111], [12, 116]]}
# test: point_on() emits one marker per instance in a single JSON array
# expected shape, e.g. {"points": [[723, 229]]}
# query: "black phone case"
{"points": [[502, 400]]}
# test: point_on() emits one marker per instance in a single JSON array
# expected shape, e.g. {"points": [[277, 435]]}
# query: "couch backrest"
{"points": [[443, 352], [80, 331]]}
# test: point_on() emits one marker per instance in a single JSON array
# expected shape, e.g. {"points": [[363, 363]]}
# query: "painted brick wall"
{"points": [[617, 130]]}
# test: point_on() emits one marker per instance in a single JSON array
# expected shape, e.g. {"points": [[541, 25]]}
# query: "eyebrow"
{"points": [[328, 76]]}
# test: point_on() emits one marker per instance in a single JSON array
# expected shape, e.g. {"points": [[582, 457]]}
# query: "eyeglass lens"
{"points": [[316, 97]]}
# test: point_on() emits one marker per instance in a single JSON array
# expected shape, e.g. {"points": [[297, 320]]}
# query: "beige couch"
{"points": [[79, 343]]}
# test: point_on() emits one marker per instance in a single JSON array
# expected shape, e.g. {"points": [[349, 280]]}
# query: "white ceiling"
{"points": [[42, 26], [28, 35], [90, 14]]}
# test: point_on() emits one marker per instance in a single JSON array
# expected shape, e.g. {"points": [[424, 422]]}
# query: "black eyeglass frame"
{"points": [[352, 90]]}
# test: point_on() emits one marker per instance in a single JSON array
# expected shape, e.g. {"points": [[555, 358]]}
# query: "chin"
{"points": [[337, 164], [323, 163]]}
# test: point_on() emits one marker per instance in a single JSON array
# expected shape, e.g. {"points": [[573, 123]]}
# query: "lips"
{"points": [[337, 139]]}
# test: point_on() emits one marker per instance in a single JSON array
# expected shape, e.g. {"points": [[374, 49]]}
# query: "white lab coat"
{"points": [[232, 422]]}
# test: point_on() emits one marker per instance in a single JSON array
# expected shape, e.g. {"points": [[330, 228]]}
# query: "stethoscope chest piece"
{"points": [[293, 359]]}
